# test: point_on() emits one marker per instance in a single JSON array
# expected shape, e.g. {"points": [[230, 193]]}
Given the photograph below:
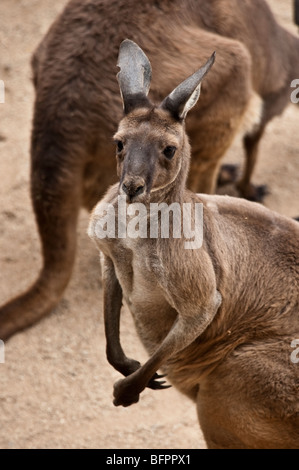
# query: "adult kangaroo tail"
{"points": [[56, 196]]}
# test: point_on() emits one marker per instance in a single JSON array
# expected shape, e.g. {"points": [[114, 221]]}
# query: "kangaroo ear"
{"points": [[134, 76], [185, 95]]}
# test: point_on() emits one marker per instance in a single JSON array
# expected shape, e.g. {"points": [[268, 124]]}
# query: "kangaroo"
{"points": [[218, 319], [77, 109]]}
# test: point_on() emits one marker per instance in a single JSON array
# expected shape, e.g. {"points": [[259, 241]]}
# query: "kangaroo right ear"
{"points": [[134, 76], [185, 95]]}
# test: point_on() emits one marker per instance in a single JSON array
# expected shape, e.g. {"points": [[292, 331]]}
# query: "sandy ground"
{"points": [[56, 386]]}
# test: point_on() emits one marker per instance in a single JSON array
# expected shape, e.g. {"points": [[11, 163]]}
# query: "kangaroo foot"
{"points": [[228, 174], [254, 193]]}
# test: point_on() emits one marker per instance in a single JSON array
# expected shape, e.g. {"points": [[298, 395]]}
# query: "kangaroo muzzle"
{"points": [[133, 187]]}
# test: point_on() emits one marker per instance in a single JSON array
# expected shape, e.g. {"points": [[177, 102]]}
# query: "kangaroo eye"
{"points": [[169, 151], [119, 145]]}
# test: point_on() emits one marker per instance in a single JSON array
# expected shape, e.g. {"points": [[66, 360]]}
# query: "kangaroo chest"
{"points": [[138, 270]]}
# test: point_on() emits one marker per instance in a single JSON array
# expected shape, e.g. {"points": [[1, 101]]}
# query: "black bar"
{"points": [[296, 11]]}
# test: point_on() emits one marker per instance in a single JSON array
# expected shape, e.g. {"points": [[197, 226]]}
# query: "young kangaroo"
{"points": [[78, 107], [218, 320]]}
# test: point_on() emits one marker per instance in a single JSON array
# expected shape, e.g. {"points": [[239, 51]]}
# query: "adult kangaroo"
{"points": [[77, 109], [220, 318]]}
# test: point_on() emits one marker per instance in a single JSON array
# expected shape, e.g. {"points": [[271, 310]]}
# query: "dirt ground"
{"points": [[56, 386]]}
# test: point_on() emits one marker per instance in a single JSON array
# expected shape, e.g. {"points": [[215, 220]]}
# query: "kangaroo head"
{"points": [[152, 148]]}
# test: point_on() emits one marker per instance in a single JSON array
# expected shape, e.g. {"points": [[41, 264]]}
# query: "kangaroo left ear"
{"points": [[185, 96], [134, 76]]}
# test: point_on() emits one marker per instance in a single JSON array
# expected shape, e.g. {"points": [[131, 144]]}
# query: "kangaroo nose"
{"points": [[133, 188]]}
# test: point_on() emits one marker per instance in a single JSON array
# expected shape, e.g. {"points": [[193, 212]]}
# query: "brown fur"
{"points": [[77, 108], [219, 320]]}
